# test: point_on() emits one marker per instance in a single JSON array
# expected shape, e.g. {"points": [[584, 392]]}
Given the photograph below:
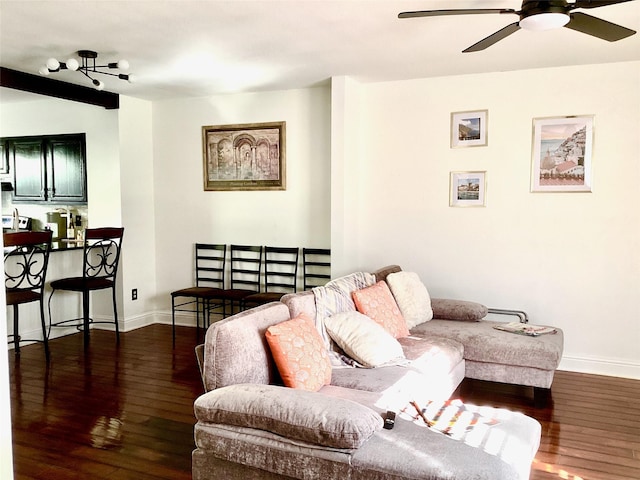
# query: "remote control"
{"points": [[389, 420]]}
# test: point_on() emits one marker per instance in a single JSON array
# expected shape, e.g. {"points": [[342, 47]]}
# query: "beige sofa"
{"points": [[249, 426], [486, 353]]}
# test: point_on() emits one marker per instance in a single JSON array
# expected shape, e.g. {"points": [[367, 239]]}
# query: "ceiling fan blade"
{"points": [[597, 27], [595, 3], [438, 13], [493, 38]]}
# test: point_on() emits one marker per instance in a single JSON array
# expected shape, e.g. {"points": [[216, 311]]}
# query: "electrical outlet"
{"points": [[134, 294]]}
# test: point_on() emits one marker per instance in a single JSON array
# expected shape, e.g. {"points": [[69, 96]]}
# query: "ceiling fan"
{"points": [[541, 15]]}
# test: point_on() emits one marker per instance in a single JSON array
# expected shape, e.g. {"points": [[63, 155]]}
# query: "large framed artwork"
{"points": [[561, 154], [469, 129], [244, 157], [467, 189]]}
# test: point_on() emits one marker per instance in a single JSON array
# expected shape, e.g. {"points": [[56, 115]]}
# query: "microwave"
{"points": [[23, 222]]}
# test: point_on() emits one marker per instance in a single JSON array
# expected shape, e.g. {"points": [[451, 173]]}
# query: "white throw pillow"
{"points": [[411, 296], [363, 339]]}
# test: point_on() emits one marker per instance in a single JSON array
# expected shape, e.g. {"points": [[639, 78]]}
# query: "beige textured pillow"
{"points": [[294, 414], [411, 296], [363, 339]]}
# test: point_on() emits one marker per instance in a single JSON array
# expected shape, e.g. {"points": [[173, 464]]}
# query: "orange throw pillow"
{"points": [[300, 354], [377, 302]]}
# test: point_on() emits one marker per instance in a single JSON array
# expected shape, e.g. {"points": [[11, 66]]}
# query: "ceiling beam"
{"points": [[55, 88]]}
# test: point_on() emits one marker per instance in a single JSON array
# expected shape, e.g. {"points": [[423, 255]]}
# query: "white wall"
{"points": [[570, 260], [186, 214], [347, 162], [138, 262]]}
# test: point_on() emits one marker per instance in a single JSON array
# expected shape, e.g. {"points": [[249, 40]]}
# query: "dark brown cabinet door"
{"points": [[27, 167], [4, 157], [50, 169], [67, 177]]}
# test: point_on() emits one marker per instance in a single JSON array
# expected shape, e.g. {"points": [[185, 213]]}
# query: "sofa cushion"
{"points": [[300, 354], [445, 309], [411, 296], [433, 368], [236, 350], [294, 414], [363, 339], [378, 303]]}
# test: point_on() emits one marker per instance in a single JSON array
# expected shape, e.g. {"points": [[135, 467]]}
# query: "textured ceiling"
{"points": [[185, 48]]}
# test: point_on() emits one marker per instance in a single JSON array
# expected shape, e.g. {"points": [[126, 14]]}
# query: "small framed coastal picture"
{"points": [[469, 129], [562, 149], [467, 189]]}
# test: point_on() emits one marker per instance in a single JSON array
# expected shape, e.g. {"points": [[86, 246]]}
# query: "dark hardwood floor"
{"points": [[126, 412], [116, 411]]}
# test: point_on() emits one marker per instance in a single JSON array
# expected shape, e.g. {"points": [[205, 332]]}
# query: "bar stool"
{"points": [[101, 256], [25, 267]]}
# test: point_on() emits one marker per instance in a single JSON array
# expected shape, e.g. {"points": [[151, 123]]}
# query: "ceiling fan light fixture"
{"points": [[544, 21]]}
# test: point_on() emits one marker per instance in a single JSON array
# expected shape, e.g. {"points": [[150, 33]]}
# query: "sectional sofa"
{"points": [[250, 426]]}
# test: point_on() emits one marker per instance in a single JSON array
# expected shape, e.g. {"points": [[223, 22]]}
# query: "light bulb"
{"points": [[544, 21], [72, 64], [132, 78], [99, 85], [123, 65], [53, 64], [44, 70]]}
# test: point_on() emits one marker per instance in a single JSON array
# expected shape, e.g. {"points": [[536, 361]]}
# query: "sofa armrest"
{"points": [[200, 358], [294, 414], [382, 273], [522, 315], [461, 310]]}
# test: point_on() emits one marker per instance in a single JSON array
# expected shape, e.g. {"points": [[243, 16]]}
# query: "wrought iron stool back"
{"points": [[101, 257], [26, 259]]}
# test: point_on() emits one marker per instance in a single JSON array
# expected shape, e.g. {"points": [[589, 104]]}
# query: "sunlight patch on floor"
{"points": [[550, 468]]}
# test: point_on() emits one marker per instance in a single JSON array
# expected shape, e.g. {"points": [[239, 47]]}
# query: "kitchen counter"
{"points": [[64, 245], [59, 246]]}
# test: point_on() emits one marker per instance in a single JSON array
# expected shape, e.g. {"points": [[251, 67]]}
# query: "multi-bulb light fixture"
{"points": [[87, 66]]}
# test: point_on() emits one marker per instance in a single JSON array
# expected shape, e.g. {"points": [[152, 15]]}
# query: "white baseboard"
{"points": [[601, 366], [183, 320]]}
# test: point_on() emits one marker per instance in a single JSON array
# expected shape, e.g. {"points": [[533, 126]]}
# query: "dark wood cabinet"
{"points": [[4, 158], [67, 169], [26, 159], [50, 168]]}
